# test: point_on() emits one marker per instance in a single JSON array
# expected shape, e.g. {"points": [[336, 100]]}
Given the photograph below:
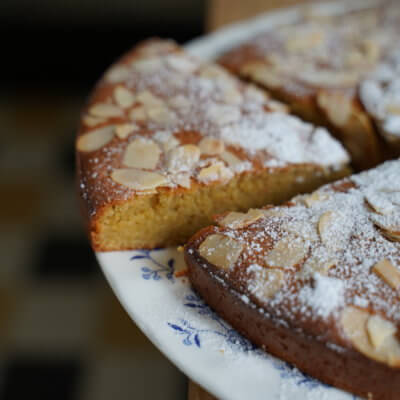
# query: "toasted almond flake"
{"points": [[230, 159], [388, 272], [93, 121], [388, 224], [266, 75], [124, 130], [96, 139], [105, 110], [223, 114], [147, 65], [211, 146], [180, 63], [118, 74], [142, 153], [124, 97], [149, 100], [354, 322], [182, 179], [161, 115], [180, 103], [337, 107], [380, 203], [182, 158], [267, 283], [315, 198], [137, 179], [221, 251], [238, 220], [138, 114], [321, 265], [324, 227], [166, 140], [273, 212], [277, 106], [287, 252], [212, 71], [379, 329], [215, 172], [232, 95]]}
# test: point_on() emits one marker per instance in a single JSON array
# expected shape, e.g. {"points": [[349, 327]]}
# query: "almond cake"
{"points": [[336, 66], [315, 281], [166, 141]]}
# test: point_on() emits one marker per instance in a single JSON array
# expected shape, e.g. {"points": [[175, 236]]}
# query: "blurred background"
{"points": [[63, 334]]}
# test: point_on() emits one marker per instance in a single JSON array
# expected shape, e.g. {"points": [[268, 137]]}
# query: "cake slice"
{"points": [[166, 141], [318, 64], [315, 281]]}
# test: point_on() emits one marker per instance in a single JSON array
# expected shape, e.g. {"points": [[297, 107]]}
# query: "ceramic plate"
{"points": [[178, 322]]}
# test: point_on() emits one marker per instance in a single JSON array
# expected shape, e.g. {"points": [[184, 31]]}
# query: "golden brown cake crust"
{"points": [[316, 65], [314, 281], [164, 135]]}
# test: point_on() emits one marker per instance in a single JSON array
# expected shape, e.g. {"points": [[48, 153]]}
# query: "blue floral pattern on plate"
{"points": [[193, 336]]}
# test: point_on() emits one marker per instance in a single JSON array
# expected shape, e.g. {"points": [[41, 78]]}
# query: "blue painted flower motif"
{"points": [[193, 335], [158, 270]]}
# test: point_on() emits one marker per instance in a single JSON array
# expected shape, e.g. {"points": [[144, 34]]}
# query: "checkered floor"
{"points": [[63, 334]]}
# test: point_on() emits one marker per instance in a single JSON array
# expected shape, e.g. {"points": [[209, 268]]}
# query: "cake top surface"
{"points": [[328, 49], [161, 119], [320, 262]]}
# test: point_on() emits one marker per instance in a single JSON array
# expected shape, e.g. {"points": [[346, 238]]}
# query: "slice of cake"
{"points": [[166, 141], [315, 281], [318, 64]]}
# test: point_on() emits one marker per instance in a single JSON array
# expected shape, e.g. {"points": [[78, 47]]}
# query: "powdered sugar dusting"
{"points": [[341, 242], [175, 100]]}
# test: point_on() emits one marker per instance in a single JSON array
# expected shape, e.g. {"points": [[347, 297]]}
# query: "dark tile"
{"points": [[36, 378], [65, 256]]}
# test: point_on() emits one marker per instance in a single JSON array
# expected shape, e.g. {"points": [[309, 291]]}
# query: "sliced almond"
{"points": [[96, 139], [393, 109], [182, 158], [287, 252], [91, 121], [230, 159], [266, 75], [379, 329], [388, 224], [149, 100], [138, 114], [337, 107], [142, 153], [161, 115], [180, 103], [137, 179], [212, 71], [324, 227], [182, 179], [238, 220], [147, 65], [124, 97], [232, 95], [118, 74], [105, 110], [358, 329], [388, 272], [166, 140], [380, 203], [319, 264], [215, 172], [124, 130], [223, 114], [266, 283], [221, 251], [315, 198], [180, 63], [211, 146]]}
